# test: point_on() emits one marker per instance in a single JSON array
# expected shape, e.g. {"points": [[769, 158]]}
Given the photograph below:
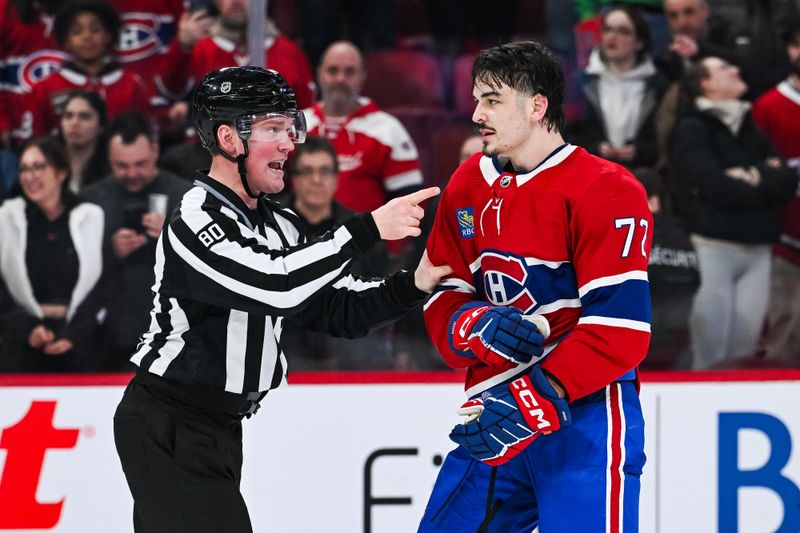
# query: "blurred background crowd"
{"points": [[699, 99]]}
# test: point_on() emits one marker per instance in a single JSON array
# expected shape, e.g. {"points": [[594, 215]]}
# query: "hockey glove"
{"points": [[509, 417], [495, 335]]}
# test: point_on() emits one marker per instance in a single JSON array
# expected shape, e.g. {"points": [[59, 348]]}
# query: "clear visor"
{"points": [[289, 125]]}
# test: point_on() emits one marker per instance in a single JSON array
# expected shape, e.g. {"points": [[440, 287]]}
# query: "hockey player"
{"points": [[537, 227], [230, 267]]}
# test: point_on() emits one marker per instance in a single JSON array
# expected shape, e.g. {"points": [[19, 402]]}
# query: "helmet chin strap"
{"points": [[240, 163]]}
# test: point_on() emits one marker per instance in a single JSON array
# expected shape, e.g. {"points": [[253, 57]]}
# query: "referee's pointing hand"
{"points": [[400, 217]]}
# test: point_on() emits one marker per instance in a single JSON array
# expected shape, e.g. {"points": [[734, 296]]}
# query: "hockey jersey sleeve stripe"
{"points": [[615, 322], [533, 261], [235, 350], [450, 285], [259, 258], [174, 342], [402, 180], [285, 299], [352, 284], [566, 303], [273, 362], [147, 339], [258, 271], [611, 280], [388, 131], [629, 300], [506, 375]]}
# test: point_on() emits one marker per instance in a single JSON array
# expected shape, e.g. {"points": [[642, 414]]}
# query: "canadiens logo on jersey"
{"points": [[22, 73], [143, 35], [505, 279], [466, 224]]}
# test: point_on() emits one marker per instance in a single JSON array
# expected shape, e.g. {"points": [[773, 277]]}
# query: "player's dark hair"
{"points": [[528, 68], [641, 29], [791, 29], [69, 11], [314, 144], [56, 156], [130, 126]]}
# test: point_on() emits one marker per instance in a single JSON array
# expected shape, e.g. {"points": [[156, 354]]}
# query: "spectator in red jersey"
{"points": [[377, 158], [86, 30], [155, 35], [777, 113], [28, 53], [82, 130], [227, 47]]}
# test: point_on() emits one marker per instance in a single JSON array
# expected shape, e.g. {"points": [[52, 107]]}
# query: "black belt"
{"points": [[204, 397]]}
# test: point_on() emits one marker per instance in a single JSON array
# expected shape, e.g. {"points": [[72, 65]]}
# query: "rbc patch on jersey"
{"points": [[466, 225]]}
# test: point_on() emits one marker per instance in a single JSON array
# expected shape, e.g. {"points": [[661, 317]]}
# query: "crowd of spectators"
{"points": [[699, 99]]}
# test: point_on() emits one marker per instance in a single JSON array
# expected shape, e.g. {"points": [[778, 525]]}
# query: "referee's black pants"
{"points": [[183, 466]]}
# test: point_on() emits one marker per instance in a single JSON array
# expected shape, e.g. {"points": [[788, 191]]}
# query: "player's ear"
{"points": [[538, 107]]}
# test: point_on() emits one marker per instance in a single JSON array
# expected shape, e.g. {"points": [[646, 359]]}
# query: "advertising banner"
{"points": [[361, 454]]}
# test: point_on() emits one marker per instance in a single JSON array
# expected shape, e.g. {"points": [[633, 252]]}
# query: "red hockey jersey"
{"points": [[121, 90], [377, 158], [569, 240], [147, 42], [777, 112], [211, 53], [28, 54]]}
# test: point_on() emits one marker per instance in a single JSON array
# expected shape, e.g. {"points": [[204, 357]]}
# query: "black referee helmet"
{"points": [[238, 96]]}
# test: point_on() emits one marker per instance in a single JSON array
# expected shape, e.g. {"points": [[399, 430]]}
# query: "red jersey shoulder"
{"points": [[466, 176]]}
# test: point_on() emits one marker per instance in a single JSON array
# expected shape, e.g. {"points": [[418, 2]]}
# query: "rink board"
{"points": [[359, 453]]}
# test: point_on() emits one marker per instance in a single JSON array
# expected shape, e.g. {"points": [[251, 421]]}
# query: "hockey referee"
{"points": [[230, 267]]}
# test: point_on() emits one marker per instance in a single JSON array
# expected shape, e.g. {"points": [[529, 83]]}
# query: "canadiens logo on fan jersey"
{"points": [[465, 220], [22, 73], [144, 35]]}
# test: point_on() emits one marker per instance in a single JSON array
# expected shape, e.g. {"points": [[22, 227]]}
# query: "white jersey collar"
{"points": [[491, 169]]}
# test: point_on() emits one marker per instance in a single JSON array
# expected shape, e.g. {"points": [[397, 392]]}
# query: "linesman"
{"points": [[230, 267]]}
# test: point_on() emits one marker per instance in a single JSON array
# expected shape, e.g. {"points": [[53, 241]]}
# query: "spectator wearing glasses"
{"points": [[51, 263], [314, 177], [621, 90]]}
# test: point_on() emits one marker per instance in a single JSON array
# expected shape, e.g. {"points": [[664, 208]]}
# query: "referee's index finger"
{"points": [[422, 195]]}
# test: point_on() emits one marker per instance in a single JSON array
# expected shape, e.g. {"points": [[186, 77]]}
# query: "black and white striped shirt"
{"points": [[226, 277]]}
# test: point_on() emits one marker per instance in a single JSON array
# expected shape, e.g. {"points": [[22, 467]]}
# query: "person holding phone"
{"points": [[132, 198]]}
